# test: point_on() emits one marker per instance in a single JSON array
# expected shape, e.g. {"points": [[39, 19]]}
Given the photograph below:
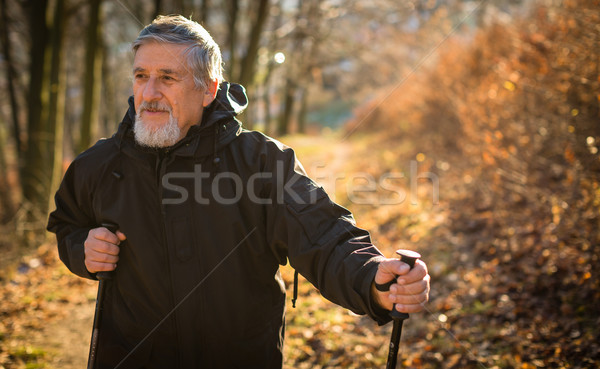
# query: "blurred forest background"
{"points": [[490, 109]]}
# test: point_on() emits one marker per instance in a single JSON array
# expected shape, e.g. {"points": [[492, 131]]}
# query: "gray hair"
{"points": [[203, 54]]}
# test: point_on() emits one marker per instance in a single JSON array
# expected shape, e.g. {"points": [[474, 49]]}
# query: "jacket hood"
{"points": [[231, 100]]}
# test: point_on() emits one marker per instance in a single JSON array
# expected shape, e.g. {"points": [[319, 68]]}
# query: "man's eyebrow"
{"points": [[161, 70], [169, 71]]}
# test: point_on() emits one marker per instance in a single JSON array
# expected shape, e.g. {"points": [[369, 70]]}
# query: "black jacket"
{"points": [[208, 222]]}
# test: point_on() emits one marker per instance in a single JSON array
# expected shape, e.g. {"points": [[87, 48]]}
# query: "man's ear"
{"points": [[210, 93]]}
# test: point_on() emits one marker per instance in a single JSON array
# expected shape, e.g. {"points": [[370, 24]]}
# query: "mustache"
{"points": [[155, 106]]}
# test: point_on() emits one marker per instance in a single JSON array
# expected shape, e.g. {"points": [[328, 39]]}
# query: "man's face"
{"points": [[165, 93]]}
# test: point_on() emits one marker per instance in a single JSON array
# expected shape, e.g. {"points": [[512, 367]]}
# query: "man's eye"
{"points": [[139, 76], [168, 78]]}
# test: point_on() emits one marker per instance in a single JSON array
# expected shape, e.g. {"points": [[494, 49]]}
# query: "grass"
{"points": [[29, 355]]}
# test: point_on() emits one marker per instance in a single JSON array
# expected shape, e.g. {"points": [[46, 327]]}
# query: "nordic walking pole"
{"points": [[409, 257], [103, 278]]}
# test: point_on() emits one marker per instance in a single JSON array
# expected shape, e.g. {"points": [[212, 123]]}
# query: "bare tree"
{"points": [[157, 8], [11, 75], [43, 158], [92, 76], [33, 173], [273, 46], [56, 108], [248, 64], [291, 84], [6, 201], [233, 8], [204, 12]]}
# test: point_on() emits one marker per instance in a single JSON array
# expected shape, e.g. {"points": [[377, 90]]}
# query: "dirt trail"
{"points": [[324, 157], [46, 312], [68, 340]]}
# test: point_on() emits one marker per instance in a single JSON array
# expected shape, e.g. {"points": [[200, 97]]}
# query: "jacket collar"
{"points": [[219, 118]]}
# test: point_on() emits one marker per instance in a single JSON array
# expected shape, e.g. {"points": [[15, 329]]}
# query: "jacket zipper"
{"points": [[160, 172]]}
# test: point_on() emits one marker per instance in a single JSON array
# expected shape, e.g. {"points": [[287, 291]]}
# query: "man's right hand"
{"points": [[102, 250]]}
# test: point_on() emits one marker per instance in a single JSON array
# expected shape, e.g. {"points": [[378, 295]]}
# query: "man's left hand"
{"points": [[411, 290]]}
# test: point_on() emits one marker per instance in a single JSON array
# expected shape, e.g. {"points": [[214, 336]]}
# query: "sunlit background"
{"points": [[466, 130]]}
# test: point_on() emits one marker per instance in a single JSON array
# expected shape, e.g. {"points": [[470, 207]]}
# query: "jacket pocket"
{"points": [[116, 350], [315, 215], [261, 344]]}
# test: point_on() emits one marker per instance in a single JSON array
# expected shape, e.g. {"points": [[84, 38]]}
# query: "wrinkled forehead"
{"points": [[161, 57]]}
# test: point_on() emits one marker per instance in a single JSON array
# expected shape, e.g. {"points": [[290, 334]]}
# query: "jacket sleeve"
{"points": [[72, 221], [321, 238]]}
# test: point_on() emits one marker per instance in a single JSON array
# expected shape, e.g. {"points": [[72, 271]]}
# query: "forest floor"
{"points": [[471, 321]]}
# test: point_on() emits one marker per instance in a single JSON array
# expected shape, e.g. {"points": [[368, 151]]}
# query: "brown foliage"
{"points": [[515, 113], [509, 123]]}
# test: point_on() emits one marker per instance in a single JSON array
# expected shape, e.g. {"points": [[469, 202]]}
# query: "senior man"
{"points": [[206, 213]]}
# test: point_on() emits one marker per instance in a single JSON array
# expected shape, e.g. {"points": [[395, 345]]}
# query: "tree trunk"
{"points": [[249, 60], [292, 72], [180, 7], [157, 9], [266, 83], [233, 11], [92, 77], [33, 175], [56, 109], [267, 104], [43, 159], [315, 19], [288, 107], [6, 201], [204, 12], [11, 76], [110, 112], [302, 111]]}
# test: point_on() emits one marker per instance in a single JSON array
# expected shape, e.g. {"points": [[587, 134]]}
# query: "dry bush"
{"points": [[516, 112]]}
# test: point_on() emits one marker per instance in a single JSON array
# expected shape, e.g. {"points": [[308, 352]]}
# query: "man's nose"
{"points": [[151, 90]]}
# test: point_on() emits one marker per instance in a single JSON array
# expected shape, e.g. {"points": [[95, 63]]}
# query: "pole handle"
{"points": [[409, 257]]}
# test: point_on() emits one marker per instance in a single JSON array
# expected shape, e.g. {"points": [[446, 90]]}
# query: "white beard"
{"points": [[163, 136]]}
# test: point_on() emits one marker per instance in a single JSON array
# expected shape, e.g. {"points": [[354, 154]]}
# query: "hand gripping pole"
{"points": [[409, 257], [103, 278]]}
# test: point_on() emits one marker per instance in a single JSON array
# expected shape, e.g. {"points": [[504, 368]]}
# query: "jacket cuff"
{"points": [[77, 255]]}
